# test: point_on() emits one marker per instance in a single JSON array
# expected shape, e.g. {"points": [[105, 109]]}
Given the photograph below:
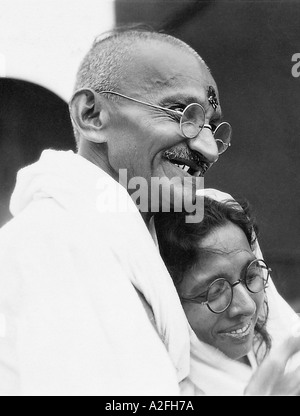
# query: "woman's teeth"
{"points": [[240, 333]]}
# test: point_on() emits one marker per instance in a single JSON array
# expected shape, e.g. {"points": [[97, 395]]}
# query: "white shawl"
{"points": [[71, 320]]}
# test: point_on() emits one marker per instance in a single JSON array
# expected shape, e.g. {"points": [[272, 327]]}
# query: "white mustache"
{"points": [[182, 152]]}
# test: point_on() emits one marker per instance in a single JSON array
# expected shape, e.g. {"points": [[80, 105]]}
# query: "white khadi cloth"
{"points": [[72, 320]]}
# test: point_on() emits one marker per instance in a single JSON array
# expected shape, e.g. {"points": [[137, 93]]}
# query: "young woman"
{"points": [[222, 287]]}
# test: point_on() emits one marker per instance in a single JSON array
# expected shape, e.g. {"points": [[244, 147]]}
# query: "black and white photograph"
{"points": [[149, 200]]}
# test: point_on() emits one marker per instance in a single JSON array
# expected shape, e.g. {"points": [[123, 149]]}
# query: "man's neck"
{"points": [[98, 156]]}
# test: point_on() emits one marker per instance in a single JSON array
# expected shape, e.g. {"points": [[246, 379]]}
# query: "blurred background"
{"points": [[249, 47]]}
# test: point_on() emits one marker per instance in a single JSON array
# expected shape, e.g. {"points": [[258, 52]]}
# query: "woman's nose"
{"points": [[205, 144], [242, 302]]}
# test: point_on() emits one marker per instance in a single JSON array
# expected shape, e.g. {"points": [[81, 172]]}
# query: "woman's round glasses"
{"points": [[192, 122], [220, 293]]}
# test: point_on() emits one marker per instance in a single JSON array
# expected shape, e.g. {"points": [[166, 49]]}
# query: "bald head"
{"points": [[113, 60], [111, 54]]}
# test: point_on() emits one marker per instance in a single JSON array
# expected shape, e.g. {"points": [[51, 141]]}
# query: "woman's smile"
{"points": [[241, 333]]}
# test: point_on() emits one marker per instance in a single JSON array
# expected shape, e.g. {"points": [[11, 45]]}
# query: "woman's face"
{"points": [[224, 253]]}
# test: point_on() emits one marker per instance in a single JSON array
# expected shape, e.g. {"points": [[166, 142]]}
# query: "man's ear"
{"points": [[86, 113]]}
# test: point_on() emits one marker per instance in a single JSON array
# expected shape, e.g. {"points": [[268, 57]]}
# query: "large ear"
{"points": [[86, 113]]}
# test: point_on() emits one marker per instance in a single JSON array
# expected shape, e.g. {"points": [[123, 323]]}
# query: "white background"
{"points": [[43, 41]]}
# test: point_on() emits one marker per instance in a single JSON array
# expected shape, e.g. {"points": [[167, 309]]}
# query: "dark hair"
{"points": [[180, 249]]}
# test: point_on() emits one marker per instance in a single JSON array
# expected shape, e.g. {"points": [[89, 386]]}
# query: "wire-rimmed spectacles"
{"points": [[192, 121], [219, 295]]}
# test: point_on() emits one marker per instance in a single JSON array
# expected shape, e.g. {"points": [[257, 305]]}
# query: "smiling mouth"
{"points": [[239, 333], [187, 161]]}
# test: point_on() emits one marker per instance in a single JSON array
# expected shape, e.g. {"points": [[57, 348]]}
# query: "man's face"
{"points": [[148, 142]]}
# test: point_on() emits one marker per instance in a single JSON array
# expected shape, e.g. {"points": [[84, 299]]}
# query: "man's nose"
{"points": [[242, 303], [205, 144]]}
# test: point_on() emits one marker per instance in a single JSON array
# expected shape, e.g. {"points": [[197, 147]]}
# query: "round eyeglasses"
{"points": [[192, 122], [220, 293]]}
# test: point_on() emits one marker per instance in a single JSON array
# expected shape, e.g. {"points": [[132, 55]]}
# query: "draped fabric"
{"points": [[71, 263]]}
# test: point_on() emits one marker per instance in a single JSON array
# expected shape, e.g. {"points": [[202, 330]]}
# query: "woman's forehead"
{"points": [[225, 252], [227, 239]]}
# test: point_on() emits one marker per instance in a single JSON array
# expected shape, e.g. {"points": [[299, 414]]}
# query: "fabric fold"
{"points": [[80, 325]]}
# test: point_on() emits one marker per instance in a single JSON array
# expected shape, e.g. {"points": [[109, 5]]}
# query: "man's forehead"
{"points": [[159, 67]]}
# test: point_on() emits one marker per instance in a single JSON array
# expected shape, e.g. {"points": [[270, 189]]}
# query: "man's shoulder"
{"points": [[34, 223]]}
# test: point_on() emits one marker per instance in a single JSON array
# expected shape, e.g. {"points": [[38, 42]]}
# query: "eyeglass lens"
{"points": [[222, 136], [193, 121], [257, 276], [220, 294]]}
